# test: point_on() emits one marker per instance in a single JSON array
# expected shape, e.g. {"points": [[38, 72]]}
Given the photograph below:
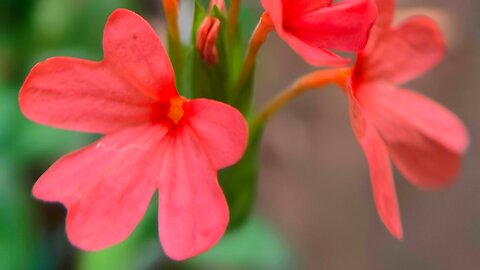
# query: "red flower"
{"points": [[312, 26], [424, 140], [154, 139]]}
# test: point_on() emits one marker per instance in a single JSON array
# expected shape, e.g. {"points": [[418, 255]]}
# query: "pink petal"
{"points": [[343, 26], [221, 129], [386, 12], [193, 212], [383, 186], [312, 55], [274, 9], [106, 186], [132, 47], [82, 95], [295, 8], [425, 139], [404, 53], [123, 90], [277, 9]]}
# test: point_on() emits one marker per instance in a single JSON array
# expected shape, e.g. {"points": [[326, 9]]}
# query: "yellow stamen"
{"points": [[176, 109]]}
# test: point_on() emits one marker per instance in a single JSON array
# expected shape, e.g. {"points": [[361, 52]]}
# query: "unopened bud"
{"points": [[206, 39]]}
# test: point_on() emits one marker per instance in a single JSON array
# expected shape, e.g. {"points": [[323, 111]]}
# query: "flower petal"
{"points": [[312, 55], [123, 90], [343, 26], [295, 8], [381, 177], [82, 95], [291, 9], [386, 12], [404, 53], [106, 186], [193, 212], [221, 129], [274, 9], [132, 47], [425, 140]]}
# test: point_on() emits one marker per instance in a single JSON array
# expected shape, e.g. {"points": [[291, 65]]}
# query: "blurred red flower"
{"points": [[154, 139], [424, 140], [312, 26]]}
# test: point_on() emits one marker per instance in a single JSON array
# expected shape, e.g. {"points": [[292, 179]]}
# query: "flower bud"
{"points": [[206, 39]]}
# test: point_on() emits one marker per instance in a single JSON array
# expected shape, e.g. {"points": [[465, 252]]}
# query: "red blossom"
{"points": [[310, 27], [423, 139], [154, 139]]}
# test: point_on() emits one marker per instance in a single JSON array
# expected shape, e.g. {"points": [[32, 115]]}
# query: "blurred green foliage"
{"points": [[16, 233], [32, 233]]}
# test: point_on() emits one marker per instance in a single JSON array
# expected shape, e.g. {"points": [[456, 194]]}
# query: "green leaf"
{"points": [[254, 246], [243, 95], [17, 240], [8, 116], [176, 52], [240, 180], [203, 3], [192, 78]]}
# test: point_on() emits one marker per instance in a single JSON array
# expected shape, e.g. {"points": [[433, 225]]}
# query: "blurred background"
{"points": [[314, 208]]}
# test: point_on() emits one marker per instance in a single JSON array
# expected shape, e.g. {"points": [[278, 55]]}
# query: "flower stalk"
{"points": [[233, 19], [171, 8], [307, 82], [259, 36]]}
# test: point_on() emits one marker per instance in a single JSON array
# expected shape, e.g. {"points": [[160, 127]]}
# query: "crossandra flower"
{"points": [[423, 139], [154, 140], [312, 27]]}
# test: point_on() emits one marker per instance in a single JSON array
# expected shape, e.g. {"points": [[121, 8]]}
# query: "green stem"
{"points": [[233, 20], [259, 36], [175, 44]]}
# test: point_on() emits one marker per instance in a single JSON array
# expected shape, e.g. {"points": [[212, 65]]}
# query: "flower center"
{"points": [[176, 109]]}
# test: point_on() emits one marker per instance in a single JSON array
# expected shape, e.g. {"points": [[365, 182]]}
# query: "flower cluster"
{"points": [[156, 137]]}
